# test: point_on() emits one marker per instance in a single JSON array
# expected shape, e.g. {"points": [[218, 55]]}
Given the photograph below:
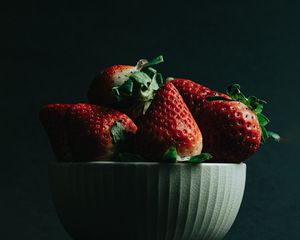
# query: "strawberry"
{"points": [[129, 89], [194, 94], [52, 118], [95, 131], [232, 125], [230, 130], [168, 123], [100, 90]]}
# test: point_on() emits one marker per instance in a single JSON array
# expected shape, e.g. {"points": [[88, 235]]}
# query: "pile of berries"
{"points": [[134, 114]]}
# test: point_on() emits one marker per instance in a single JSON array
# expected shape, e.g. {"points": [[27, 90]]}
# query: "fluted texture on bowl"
{"points": [[147, 201]]}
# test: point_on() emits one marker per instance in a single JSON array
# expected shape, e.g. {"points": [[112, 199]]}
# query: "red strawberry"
{"points": [[232, 127], [194, 94], [230, 130], [52, 118], [168, 122], [100, 90], [94, 131]]}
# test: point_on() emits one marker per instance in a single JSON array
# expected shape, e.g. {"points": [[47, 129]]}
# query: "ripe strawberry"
{"points": [[95, 131], [194, 94], [52, 118], [230, 130], [129, 89], [232, 126], [168, 123], [100, 90]]}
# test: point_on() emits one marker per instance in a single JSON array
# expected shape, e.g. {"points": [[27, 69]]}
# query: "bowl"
{"points": [[146, 200]]}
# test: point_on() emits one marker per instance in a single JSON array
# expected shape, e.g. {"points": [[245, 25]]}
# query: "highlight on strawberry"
{"points": [[135, 115]]}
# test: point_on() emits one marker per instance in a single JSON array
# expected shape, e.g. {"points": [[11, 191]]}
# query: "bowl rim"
{"points": [[144, 163]]}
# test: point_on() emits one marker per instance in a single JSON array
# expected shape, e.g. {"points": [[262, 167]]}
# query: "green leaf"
{"points": [[258, 109], [146, 106], [159, 79], [117, 132], [274, 136], [130, 157], [253, 102], [253, 99], [154, 61], [256, 104], [170, 155], [215, 98], [233, 89], [235, 93], [200, 158], [124, 91], [154, 84], [141, 78], [262, 119], [264, 134], [151, 72], [116, 91]]}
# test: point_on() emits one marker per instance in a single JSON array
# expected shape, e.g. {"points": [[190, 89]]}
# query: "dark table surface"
{"points": [[52, 50]]}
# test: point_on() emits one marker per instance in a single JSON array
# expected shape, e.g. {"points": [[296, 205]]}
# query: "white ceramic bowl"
{"points": [[147, 201]]}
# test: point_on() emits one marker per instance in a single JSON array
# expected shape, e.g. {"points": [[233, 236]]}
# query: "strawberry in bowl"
{"points": [[168, 122], [151, 158], [85, 132], [233, 126]]}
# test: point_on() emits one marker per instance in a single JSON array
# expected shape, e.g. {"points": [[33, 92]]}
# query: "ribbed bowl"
{"points": [[147, 201]]}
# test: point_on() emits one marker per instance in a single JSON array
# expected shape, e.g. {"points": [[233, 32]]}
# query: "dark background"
{"points": [[51, 52]]}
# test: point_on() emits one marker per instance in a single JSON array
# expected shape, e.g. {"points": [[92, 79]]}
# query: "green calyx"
{"points": [[121, 139], [141, 85], [117, 132], [171, 156], [253, 103]]}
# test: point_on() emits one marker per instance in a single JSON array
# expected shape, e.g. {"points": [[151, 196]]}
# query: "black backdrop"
{"points": [[52, 51]]}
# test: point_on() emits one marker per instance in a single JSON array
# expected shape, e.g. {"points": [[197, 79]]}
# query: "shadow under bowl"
{"points": [[147, 201]]}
